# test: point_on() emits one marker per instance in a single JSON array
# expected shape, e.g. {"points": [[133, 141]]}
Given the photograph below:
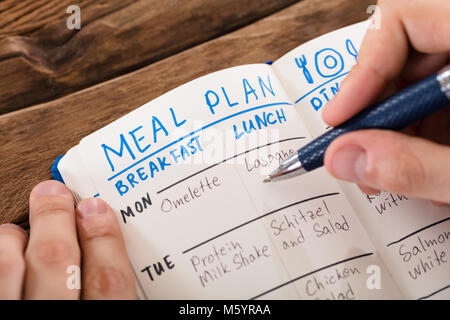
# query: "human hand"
{"points": [[36, 267], [411, 43]]}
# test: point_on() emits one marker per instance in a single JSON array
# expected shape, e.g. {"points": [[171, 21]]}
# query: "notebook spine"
{"points": [[54, 170]]}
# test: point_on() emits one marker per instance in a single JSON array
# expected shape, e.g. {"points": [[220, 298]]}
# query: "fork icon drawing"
{"points": [[301, 63]]}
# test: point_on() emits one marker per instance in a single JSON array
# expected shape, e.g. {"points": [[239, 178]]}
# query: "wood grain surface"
{"points": [[41, 59], [33, 137]]}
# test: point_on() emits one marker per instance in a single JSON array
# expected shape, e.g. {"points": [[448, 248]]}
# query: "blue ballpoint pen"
{"points": [[396, 112]]}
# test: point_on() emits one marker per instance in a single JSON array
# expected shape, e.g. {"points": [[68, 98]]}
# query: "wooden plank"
{"points": [[32, 138], [41, 59]]}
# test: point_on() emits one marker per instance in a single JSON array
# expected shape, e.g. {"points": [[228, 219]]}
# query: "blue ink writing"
{"points": [[258, 122], [175, 122], [329, 62], [324, 95], [157, 126], [263, 85], [123, 143], [228, 100], [301, 63], [211, 104], [252, 91], [248, 90], [351, 49], [158, 165], [183, 152], [141, 174], [137, 140]]}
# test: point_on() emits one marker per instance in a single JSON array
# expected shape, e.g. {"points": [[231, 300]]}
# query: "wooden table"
{"points": [[58, 85]]}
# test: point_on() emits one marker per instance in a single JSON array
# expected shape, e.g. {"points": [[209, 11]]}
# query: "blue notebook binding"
{"points": [[54, 170]]}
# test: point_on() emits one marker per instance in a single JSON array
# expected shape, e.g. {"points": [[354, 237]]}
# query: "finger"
{"points": [[417, 67], [393, 162], [107, 273], [438, 204], [381, 57], [53, 245], [12, 263], [436, 127], [384, 52], [420, 65], [368, 190]]}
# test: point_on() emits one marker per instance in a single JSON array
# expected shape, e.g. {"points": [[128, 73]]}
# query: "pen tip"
{"points": [[267, 179]]}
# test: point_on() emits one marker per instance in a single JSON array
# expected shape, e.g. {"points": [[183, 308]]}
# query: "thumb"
{"points": [[391, 161]]}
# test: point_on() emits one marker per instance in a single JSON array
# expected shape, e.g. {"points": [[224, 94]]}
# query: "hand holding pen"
{"points": [[405, 49]]}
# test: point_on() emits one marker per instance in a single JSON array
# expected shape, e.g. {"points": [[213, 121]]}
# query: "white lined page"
{"points": [[388, 217], [209, 223]]}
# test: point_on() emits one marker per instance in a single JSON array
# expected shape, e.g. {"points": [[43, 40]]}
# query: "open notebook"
{"points": [[184, 174]]}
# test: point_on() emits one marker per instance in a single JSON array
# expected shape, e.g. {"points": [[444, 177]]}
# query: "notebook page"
{"points": [[76, 176], [312, 72], [184, 174], [414, 241], [411, 235]]}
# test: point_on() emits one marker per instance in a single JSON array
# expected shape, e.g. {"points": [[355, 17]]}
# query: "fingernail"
{"points": [[49, 188], [91, 207], [349, 163]]}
